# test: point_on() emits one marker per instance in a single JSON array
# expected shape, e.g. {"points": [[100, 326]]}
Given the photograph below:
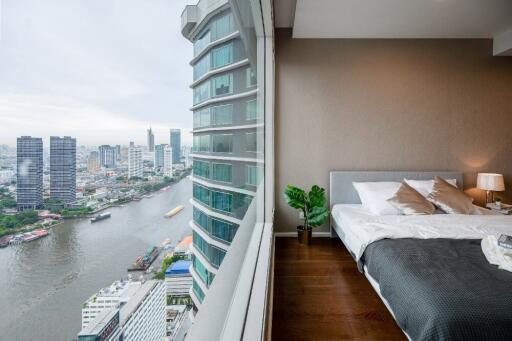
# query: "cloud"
{"points": [[102, 71]]}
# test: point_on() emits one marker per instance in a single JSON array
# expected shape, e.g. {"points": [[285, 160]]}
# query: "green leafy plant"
{"points": [[312, 204]]}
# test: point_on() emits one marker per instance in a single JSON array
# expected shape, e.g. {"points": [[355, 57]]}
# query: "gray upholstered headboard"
{"points": [[343, 192]]}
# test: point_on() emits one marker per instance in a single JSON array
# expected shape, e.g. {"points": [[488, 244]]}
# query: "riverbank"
{"points": [[53, 276], [47, 223]]}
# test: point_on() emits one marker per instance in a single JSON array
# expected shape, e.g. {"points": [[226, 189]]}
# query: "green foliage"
{"points": [[75, 212], [312, 204], [18, 220], [7, 203]]}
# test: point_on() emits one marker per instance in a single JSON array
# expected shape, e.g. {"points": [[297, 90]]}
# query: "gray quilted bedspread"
{"points": [[442, 289]]}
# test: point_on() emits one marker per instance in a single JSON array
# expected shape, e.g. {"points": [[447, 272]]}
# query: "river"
{"points": [[44, 283]]}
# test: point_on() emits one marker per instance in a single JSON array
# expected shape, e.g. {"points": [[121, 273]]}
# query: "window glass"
{"points": [[223, 26], [202, 92], [202, 66], [251, 142], [223, 230], [201, 168], [201, 143], [223, 85], [222, 201], [222, 56], [202, 118], [222, 143], [201, 244], [201, 270], [222, 172], [200, 219], [216, 255], [253, 175], [197, 290], [251, 110], [222, 114], [250, 77], [201, 43], [202, 194]]}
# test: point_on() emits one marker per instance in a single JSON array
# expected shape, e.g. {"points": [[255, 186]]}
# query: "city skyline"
{"points": [[161, 137], [121, 86]]}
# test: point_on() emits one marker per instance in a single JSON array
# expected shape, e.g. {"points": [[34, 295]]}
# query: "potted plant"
{"points": [[313, 207]]}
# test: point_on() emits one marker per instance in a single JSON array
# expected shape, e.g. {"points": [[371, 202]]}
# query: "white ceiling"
{"points": [[395, 18]]}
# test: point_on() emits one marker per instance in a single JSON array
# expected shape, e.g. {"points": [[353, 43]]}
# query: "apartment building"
{"points": [[29, 177], [62, 169]]}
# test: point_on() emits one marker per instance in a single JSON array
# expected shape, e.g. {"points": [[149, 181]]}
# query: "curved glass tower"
{"points": [[227, 160]]}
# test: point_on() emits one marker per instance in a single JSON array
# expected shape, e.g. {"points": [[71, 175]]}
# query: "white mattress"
{"points": [[358, 228]]}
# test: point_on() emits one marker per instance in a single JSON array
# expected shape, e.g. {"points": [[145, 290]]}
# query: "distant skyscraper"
{"points": [[118, 153], [176, 145], [29, 178], [159, 156], [93, 162], [63, 169], [151, 140], [107, 156], [135, 163], [167, 161]]}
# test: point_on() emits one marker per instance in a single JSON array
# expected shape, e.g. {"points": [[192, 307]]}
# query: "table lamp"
{"points": [[490, 182]]}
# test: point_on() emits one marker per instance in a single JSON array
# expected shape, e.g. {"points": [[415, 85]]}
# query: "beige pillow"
{"points": [[410, 202], [449, 198]]}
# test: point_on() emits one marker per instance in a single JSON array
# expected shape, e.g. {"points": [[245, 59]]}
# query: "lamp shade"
{"points": [[490, 182]]}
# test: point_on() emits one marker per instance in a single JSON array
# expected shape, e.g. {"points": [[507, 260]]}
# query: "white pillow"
{"points": [[425, 187], [374, 196]]}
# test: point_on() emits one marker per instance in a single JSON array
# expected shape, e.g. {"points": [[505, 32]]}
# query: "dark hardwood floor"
{"points": [[320, 295]]}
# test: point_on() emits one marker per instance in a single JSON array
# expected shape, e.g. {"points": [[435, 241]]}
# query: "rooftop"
{"points": [[96, 326], [178, 268]]}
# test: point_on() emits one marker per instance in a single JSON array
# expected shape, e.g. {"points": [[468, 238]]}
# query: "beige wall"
{"points": [[389, 105]]}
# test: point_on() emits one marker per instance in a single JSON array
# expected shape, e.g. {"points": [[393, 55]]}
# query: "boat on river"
{"points": [[142, 263], [4, 241], [101, 216], [174, 211]]}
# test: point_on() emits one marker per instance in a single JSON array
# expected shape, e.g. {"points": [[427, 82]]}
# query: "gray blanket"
{"points": [[442, 289]]}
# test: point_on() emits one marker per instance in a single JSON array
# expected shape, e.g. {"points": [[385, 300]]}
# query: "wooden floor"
{"points": [[320, 295]]}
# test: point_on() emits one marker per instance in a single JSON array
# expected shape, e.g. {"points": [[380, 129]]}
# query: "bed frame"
{"points": [[343, 192]]}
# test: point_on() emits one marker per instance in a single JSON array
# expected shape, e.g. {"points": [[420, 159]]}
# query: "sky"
{"points": [[102, 71]]}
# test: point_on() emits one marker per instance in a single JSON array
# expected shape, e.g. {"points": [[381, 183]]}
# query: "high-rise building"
{"points": [[226, 157], [151, 140], [62, 169], [138, 315], [117, 294], [135, 162], [118, 153], [159, 156], [93, 162], [29, 177], [175, 142], [107, 156], [167, 169]]}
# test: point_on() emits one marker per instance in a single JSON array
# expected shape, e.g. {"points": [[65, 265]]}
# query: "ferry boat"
{"points": [[174, 211], [142, 263], [4, 241], [100, 217]]}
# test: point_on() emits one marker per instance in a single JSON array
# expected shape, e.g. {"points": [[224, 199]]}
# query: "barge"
{"points": [[174, 211], [142, 263]]}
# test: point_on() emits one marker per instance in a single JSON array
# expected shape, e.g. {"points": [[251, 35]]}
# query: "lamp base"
{"points": [[489, 197]]}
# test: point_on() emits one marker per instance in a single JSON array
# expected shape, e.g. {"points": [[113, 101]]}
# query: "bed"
{"points": [[429, 271]]}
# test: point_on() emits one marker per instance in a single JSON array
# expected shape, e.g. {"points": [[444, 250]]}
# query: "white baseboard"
{"points": [[326, 234]]}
